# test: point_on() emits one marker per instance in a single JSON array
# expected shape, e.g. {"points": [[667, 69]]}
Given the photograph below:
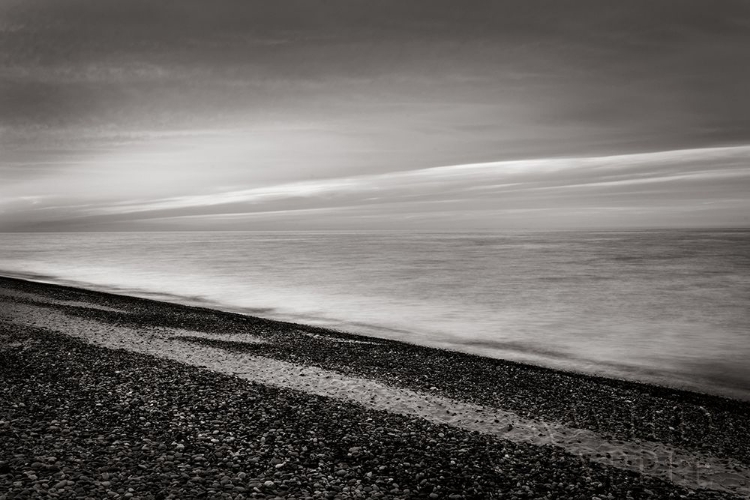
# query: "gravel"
{"points": [[78, 421], [616, 409]]}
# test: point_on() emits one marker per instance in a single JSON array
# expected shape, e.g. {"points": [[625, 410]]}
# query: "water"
{"points": [[671, 307]]}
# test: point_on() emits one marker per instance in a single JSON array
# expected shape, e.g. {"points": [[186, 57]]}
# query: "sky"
{"points": [[374, 114]]}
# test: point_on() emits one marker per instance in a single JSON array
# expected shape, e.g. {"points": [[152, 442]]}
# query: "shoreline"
{"points": [[213, 309], [723, 392], [712, 427]]}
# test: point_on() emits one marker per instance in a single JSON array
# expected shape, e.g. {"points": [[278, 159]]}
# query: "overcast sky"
{"points": [[368, 114]]}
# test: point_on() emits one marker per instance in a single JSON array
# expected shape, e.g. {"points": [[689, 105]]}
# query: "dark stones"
{"points": [[214, 436]]}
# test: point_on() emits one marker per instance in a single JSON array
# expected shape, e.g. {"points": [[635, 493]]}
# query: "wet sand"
{"points": [[645, 440]]}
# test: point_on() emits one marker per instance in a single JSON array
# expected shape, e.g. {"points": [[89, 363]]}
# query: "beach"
{"points": [[659, 307], [106, 395]]}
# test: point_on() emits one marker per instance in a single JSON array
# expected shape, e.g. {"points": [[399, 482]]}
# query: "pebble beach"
{"points": [[108, 396]]}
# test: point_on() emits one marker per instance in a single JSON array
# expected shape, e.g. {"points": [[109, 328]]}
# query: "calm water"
{"points": [[669, 307]]}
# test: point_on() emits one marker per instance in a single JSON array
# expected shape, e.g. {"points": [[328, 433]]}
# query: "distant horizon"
{"points": [[411, 231]]}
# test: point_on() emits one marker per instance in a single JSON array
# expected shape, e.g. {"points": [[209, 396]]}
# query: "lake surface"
{"points": [[671, 307]]}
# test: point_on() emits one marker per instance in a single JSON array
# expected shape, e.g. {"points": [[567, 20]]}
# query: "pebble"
{"points": [[101, 401]]}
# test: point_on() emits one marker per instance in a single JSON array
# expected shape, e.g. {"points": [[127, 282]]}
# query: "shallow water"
{"points": [[670, 307]]}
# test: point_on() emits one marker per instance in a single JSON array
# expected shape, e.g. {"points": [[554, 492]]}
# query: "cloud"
{"points": [[709, 184], [88, 73], [467, 180]]}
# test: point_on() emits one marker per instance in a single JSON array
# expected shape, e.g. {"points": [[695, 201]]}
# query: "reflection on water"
{"points": [[669, 307]]}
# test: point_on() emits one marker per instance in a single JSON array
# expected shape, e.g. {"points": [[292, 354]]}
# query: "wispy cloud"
{"points": [[127, 72], [479, 180]]}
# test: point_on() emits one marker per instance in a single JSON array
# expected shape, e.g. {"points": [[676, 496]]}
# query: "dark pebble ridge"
{"points": [[77, 421], [616, 409]]}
